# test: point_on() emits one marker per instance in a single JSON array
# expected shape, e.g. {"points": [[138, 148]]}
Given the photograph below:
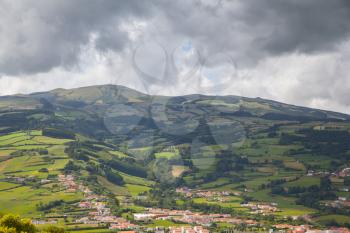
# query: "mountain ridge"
{"points": [[119, 88]]}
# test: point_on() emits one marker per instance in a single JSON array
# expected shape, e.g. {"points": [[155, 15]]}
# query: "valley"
{"points": [[108, 158]]}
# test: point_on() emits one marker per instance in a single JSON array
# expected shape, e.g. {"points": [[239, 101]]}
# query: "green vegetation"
{"points": [[265, 152], [14, 224]]}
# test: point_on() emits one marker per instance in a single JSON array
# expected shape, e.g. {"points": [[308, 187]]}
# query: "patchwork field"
{"points": [[253, 159], [24, 200]]}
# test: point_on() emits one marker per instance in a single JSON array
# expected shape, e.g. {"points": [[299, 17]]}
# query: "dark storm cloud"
{"points": [[253, 29], [304, 25], [39, 35]]}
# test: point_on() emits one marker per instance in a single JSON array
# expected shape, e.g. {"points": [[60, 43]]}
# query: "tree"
{"points": [[70, 166], [53, 229], [347, 181], [325, 184], [44, 169], [50, 205], [277, 190], [114, 177], [13, 223], [7, 230], [58, 133]]}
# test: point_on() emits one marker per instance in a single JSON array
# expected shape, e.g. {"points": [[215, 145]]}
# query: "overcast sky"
{"points": [[294, 51]]}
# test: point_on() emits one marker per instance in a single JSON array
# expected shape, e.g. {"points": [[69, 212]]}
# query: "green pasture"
{"points": [[305, 181], [285, 204], [23, 200], [135, 190], [340, 219]]}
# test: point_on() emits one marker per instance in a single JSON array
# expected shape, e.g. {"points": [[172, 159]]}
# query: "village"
{"points": [[224, 197], [192, 193], [261, 208], [341, 202], [344, 172], [287, 228], [189, 217], [98, 212]]}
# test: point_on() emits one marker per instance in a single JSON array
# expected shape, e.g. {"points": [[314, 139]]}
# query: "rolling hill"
{"points": [[128, 145]]}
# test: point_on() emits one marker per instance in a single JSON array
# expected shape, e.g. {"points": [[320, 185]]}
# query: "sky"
{"points": [[293, 51]]}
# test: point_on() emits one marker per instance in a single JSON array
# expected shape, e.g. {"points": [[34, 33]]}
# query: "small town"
{"points": [[341, 202], [99, 212], [224, 197], [261, 208], [191, 193], [287, 228], [194, 222], [189, 217], [342, 173]]}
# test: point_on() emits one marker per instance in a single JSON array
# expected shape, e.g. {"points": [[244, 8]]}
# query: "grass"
{"points": [[340, 219], [167, 155], [17, 137], [133, 188], [23, 200], [177, 170], [50, 141], [12, 135], [4, 153], [27, 147], [218, 103], [136, 189], [26, 141], [136, 208], [57, 150], [115, 189], [141, 152], [235, 203], [285, 204], [165, 223], [30, 165], [255, 183], [11, 141], [6, 186], [294, 165], [118, 154], [305, 181], [136, 180], [266, 169], [217, 183], [204, 163]]}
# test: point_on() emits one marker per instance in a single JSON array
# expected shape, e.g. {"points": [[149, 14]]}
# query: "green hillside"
{"points": [[135, 150]]}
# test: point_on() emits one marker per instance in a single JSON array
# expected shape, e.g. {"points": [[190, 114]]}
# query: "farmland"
{"points": [[239, 160]]}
